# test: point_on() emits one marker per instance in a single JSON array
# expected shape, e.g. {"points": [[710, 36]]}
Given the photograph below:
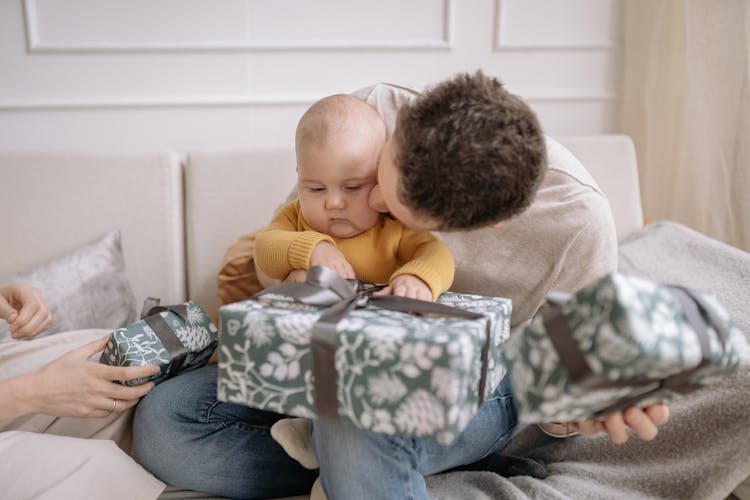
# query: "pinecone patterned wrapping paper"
{"points": [[194, 338], [397, 373], [620, 342]]}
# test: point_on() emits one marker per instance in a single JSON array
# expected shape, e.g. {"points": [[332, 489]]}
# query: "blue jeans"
{"points": [[189, 439], [357, 464]]}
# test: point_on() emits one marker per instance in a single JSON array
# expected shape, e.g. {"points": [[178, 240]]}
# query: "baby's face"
{"points": [[334, 183]]}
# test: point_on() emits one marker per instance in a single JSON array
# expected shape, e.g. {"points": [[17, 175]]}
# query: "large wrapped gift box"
{"points": [[178, 338], [396, 373], [620, 342]]}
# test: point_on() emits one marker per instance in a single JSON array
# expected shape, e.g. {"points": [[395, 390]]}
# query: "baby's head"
{"points": [[338, 142]]}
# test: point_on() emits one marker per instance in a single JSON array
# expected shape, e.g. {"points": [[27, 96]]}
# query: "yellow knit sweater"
{"points": [[386, 250]]}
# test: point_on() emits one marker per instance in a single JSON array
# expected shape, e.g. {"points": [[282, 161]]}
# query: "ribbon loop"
{"points": [[173, 345], [325, 277]]}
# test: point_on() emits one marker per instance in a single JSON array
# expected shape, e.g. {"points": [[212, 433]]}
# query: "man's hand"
{"points": [[23, 307], [407, 285], [325, 254], [643, 421]]}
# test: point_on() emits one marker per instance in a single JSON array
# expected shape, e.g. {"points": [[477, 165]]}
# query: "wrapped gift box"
{"points": [[395, 373], [620, 342], [177, 338]]}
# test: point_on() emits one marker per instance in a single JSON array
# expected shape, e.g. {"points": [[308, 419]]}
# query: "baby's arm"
{"points": [[429, 267], [281, 247]]}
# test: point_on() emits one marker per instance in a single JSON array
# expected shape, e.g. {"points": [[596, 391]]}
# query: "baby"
{"points": [[338, 141]]}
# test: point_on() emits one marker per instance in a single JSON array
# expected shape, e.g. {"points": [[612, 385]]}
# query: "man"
{"points": [[467, 154], [464, 155]]}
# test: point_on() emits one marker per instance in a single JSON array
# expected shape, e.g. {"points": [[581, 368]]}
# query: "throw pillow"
{"points": [[85, 288]]}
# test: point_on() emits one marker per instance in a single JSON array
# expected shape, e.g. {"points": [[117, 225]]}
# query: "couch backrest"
{"points": [[51, 203], [230, 194], [612, 162]]}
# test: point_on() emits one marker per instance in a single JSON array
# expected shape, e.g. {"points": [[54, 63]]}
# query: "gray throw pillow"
{"points": [[85, 288]]}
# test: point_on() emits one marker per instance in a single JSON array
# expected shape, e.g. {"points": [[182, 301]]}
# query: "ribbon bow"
{"points": [[323, 287]]}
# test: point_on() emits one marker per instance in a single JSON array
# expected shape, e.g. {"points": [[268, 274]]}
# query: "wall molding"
{"points": [[501, 45], [138, 103], [232, 101], [35, 44]]}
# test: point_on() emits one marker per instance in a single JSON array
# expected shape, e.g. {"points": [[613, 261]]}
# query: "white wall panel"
{"points": [[117, 25], [98, 75], [151, 128], [556, 25]]}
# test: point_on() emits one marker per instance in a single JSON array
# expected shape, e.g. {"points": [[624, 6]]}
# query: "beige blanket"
{"points": [[704, 450]]}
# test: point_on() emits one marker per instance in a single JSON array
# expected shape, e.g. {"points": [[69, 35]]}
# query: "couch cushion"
{"points": [[228, 195], [53, 467], [611, 161], [85, 288], [60, 201]]}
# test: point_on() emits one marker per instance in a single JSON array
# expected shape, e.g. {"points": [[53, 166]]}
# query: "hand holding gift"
{"points": [[618, 343], [176, 338]]}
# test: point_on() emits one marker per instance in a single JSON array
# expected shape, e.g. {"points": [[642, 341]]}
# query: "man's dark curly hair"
{"points": [[468, 152]]}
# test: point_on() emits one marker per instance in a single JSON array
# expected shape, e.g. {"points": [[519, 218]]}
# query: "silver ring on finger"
{"points": [[114, 406]]}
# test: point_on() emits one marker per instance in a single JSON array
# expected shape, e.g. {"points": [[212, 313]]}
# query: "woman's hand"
{"points": [[22, 306], [73, 386]]}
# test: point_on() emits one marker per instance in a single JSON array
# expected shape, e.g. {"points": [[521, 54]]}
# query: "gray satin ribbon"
{"points": [[323, 287], [560, 332], [150, 314]]}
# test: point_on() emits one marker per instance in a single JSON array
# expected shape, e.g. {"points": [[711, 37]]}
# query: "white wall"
{"points": [[189, 75]]}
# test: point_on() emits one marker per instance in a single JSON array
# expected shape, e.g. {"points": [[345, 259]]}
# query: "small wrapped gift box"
{"points": [[620, 342], [322, 349], [177, 338]]}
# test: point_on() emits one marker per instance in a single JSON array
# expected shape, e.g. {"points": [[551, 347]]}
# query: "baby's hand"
{"points": [[325, 254], [407, 285], [296, 276]]}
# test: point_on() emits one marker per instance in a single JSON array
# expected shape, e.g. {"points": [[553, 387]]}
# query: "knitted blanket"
{"points": [[703, 452]]}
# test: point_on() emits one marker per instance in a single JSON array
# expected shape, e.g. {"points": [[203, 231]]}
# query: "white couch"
{"points": [[177, 217]]}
